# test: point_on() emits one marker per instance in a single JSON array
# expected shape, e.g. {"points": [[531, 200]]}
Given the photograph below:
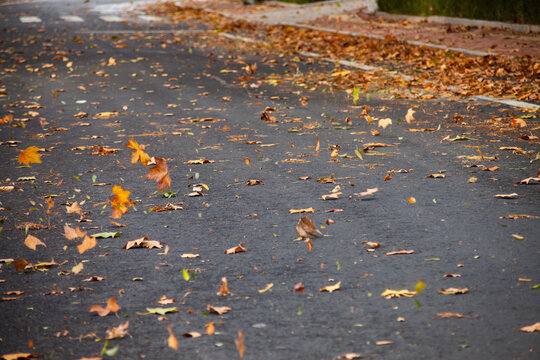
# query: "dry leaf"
{"points": [[106, 114], [117, 332], [236, 249], [239, 341], [331, 288], [138, 154], [531, 328], [160, 174], [223, 290], [266, 288], [518, 122], [527, 181], [384, 342], [112, 306], [171, 341], [507, 196], [412, 200], [299, 287], [120, 202], [387, 177], [410, 116], [448, 315], [454, 291], [188, 255], [166, 301], [367, 192], [385, 122], [220, 310], [300, 211], [210, 328], [247, 162], [77, 268], [74, 208], [192, 334], [254, 182], [87, 244], [142, 243], [199, 162], [29, 155], [452, 275], [436, 176], [389, 293], [400, 252], [32, 242]]}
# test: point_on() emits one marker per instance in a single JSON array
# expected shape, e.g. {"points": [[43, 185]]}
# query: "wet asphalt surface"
{"points": [[161, 84]]}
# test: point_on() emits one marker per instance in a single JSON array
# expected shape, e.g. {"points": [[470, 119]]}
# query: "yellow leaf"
{"points": [[32, 242], [332, 288], [138, 154], [267, 287], [77, 268], [29, 155], [420, 285]]}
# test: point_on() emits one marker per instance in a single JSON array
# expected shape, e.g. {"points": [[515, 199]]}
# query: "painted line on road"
{"points": [[30, 19], [72, 18], [514, 103]]}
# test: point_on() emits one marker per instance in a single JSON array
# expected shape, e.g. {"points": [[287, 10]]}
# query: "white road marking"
{"points": [[29, 19], [72, 18], [111, 18]]}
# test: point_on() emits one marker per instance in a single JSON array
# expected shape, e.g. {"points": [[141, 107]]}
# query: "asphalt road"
{"points": [[161, 84]]}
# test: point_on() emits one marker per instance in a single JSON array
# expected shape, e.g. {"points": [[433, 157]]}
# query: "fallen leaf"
{"points": [[239, 341], [166, 301], [160, 174], [384, 342], [254, 182], [106, 235], [300, 211], [220, 310], [188, 255], [412, 200], [77, 268], [399, 252], [507, 196], [494, 168], [519, 216], [138, 154], [373, 245], [518, 237], [528, 180], [199, 162], [87, 244], [387, 177], [410, 116], [451, 275], [117, 332], [236, 249], [142, 243], [305, 228], [531, 328], [162, 311], [20, 356], [120, 202], [448, 315], [266, 288], [192, 334], [29, 155], [94, 278], [332, 288], [389, 293], [518, 122], [32, 242], [419, 287], [385, 122], [247, 162], [112, 306], [299, 287], [472, 179], [367, 192], [454, 291], [74, 208], [210, 328], [20, 264], [436, 176], [171, 341], [106, 114]]}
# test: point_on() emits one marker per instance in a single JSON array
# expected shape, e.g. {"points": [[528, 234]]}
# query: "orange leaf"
{"points": [[138, 154], [387, 177], [112, 306], [223, 290], [71, 233], [120, 202], [74, 208], [160, 174], [518, 122], [29, 155], [236, 249], [20, 264], [247, 161], [318, 145], [171, 341], [531, 328], [32, 242], [87, 244], [411, 200], [210, 328], [239, 341]]}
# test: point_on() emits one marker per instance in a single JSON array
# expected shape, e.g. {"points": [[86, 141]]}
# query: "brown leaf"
{"points": [[332, 288], [29, 155], [400, 252], [220, 310], [142, 243], [494, 168], [528, 180], [87, 244], [199, 162], [236, 249], [254, 182], [112, 306], [171, 341], [20, 356], [210, 328], [160, 174], [94, 278], [454, 291], [166, 301], [518, 122], [223, 290], [299, 287], [451, 275], [299, 211], [448, 315], [20, 264], [412, 200], [188, 255], [77, 268], [387, 177], [239, 341], [247, 162], [305, 228], [74, 208], [389, 293], [192, 334], [32, 242], [117, 332], [531, 328]]}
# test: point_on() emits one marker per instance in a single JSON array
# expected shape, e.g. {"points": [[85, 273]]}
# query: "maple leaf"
{"points": [[332, 288], [119, 202], [160, 174], [29, 155], [385, 122], [220, 310], [32, 242], [71, 233], [138, 154], [410, 116], [87, 244], [389, 293], [74, 208], [236, 249], [239, 341], [305, 228], [112, 306], [171, 341], [117, 332]]}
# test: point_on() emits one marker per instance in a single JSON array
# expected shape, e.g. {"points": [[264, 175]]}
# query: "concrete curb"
{"points": [[524, 28]]}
